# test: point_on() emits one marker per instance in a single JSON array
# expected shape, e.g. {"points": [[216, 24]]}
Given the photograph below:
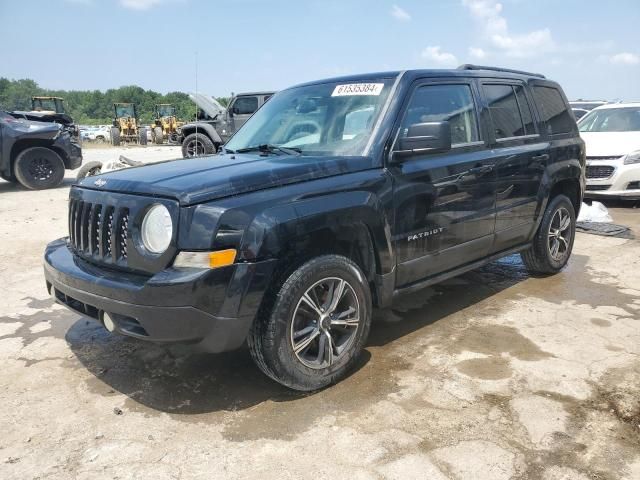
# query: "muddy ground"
{"points": [[492, 375]]}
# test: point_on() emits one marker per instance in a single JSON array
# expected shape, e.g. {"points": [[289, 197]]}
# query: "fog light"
{"points": [[109, 324]]}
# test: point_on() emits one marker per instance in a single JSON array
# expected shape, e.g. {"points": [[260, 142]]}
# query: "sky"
{"points": [[591, 47]]}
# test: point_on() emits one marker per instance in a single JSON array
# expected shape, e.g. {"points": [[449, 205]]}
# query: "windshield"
{"points": [[611, 120], [166, 110], [325, 119], [124, 111]]}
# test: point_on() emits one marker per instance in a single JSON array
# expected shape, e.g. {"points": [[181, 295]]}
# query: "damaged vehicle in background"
{"points": [[36, 154], [215, 124], [49, 109], [612, 137]]}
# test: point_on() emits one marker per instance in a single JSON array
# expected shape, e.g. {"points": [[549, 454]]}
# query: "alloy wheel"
{"points": [[559, 234], [40, 169], [325, 323], [195, 148]]}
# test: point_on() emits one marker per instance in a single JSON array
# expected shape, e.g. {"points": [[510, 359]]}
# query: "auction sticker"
{"points": [[358, 89]]}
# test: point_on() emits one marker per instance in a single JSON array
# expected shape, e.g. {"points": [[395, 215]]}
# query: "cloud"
{"points": [[495, 28], [436, 55], [477, 53], [139, 4], [400, 14], [625, 58]]}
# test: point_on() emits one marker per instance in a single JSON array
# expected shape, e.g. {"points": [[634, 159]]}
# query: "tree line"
{"points": [[95, 107]]}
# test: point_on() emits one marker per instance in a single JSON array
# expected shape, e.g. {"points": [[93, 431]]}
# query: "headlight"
{"points": [[157, 229], [633, 157]]}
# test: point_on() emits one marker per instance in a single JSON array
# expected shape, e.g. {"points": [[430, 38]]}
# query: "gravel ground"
{"points": [[492, 375]]}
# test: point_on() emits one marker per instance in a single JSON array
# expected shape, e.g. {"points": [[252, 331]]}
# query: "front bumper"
{"points": [[212, 308], [624, 182]]}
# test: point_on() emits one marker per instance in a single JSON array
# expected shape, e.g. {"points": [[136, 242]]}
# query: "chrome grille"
{"points": [[599, 171], [99, 232]]}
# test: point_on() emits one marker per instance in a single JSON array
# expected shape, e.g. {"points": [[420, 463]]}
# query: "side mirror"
{"points": [[430, 137]]}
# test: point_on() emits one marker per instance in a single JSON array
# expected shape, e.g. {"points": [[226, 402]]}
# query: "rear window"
{"points": [[554, 112], [508, 119]]}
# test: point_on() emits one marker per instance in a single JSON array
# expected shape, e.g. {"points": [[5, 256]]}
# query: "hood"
{"points": [[44, 117], [21, 128], [610, 144], [207, 103], [202, 179]]}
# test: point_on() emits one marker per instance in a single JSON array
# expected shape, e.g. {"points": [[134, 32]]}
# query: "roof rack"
{"points": [[469, 66]]}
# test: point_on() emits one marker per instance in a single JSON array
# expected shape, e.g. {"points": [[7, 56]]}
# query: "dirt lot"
{"points": [[493, 375]]}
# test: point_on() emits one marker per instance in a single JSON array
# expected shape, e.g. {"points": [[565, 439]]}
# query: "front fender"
{"points": [[207, 128]]}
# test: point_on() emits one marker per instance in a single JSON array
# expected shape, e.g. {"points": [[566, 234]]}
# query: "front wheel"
{"points": [[115, 137], [553, 242], [197, 144], [38, 168], [142, 136], [316, 328], [158, 135]]}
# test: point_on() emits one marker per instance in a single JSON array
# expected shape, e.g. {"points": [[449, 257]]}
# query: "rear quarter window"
{"points": [[553, 110]]}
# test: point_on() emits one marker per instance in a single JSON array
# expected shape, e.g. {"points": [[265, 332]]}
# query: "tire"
{"points": [[142, 136], [100, 140], [115, 137], [158, 136], [89, 169], [38, 168], [272, 337], [553, 231], [200, 141]]}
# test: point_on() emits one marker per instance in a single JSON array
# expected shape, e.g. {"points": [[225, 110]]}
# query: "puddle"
{"points": [[491, 368]]}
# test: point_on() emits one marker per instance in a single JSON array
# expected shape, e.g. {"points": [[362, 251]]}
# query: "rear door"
{"points": [[522, 156], [444, 202]]}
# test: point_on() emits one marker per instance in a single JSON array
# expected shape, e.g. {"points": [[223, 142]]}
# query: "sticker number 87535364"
{"points": [[357, 89]]}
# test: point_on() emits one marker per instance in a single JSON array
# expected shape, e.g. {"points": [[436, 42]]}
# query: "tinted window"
{"points": [[553, 110], [438, 103], [245, 105], [505, 112], [525, 110]]}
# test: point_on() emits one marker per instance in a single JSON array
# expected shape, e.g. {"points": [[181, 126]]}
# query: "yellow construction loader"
{"points": [[165, 124], [126, 125]]}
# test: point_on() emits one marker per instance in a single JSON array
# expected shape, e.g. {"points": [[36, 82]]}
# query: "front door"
{"points": [[444, 202], [241, 109]]}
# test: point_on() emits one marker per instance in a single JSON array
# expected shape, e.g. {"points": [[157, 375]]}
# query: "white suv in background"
{"points": [[612, 137]]}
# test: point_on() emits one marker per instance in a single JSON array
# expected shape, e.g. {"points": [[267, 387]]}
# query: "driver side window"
{"points": [[245, 105], [439, 103]]}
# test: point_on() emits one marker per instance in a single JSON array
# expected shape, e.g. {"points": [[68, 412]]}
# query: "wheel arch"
{"points": [[354, 227], [205, 128]]}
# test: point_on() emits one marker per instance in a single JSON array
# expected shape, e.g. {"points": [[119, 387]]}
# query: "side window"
{"points": [[505, 113], [438, 103], [554, 112], [525, 111], [245, 105]]}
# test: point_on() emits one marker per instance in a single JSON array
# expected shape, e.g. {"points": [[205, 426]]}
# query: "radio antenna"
{"points": [[195, 147]]}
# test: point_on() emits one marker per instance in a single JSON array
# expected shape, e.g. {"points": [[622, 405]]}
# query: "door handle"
{"points": [[480, 170], [540, 158]]}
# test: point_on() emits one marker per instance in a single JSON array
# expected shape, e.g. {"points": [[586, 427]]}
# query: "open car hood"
{"points": [[207, 103]]}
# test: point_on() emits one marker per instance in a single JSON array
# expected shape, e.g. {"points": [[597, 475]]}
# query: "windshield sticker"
{"points": [[357, 89]]}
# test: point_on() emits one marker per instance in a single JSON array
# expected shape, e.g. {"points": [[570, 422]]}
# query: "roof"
{"points": [[253, 93], [462, 71]]}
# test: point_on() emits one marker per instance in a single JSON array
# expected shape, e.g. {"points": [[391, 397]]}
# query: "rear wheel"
{"points": [[115, 137], [158, 135], [553, 242], [197, 144], [316, 328], [142, 136], [38, 168]]}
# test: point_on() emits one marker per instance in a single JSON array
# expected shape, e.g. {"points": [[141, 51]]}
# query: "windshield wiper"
{"points": [[267, 148]]}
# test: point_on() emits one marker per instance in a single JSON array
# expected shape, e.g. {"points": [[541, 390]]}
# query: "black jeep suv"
{"points": [[334, 198]]}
